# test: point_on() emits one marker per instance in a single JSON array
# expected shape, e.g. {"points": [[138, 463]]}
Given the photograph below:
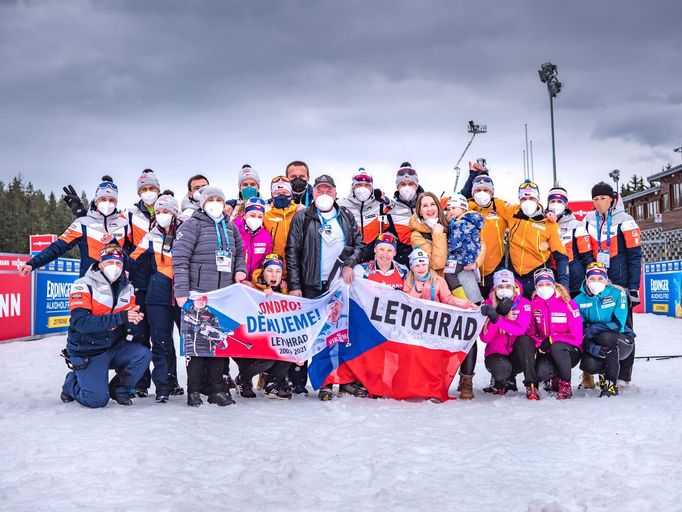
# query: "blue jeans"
{"points": [[90, 386]]}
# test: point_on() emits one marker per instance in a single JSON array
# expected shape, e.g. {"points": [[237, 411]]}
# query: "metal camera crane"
{"points": [[473, 129]]}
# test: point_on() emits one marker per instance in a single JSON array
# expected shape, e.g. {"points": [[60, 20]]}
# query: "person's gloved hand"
{"points": [[489, 311], [546, 345], [505, 306], [595, 350], [634, 296], [73, 201]]}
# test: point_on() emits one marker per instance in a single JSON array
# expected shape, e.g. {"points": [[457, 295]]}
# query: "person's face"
{"points": [[407, 184], [555, 201], [602, 203], [280, 192], [452, 212], [272, 275], [253, 214], [196, 185], [148, 188], [363, 185], [544, 282], [110, 263], [297, 171], [162, 210], [420, 270], [200, 303], [106, 198], [324, 189], [384, 253], [505, 287], [428, 208], [597, 279], [248, 182]]}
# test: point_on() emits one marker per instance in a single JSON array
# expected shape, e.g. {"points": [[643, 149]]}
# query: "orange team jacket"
{"points": [[531, 243], [496, 219], [155, 250], [277, 221]]}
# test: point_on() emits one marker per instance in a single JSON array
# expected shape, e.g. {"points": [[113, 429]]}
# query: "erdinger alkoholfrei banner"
{"points": [[399, 346], [239, 321], [396, 345]]}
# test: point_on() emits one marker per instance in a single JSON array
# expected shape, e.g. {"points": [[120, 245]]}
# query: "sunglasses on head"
{"points": [[484, 179], [387, 237], [363, 178], [542, 273]]}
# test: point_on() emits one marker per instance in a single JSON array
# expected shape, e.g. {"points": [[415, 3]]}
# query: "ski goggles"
{"points": [[543, 274], [387, 238], [406, 171], [278, 179], [597, 268], [528, 184], [272, 259], [112, 252], [108, 184], [363, 178]]}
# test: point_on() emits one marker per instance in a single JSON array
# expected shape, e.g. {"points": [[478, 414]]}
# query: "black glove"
{"points": [[489, 311], [634, 296], [505, 306], [546, 345], [381, 197], [73, 201]]}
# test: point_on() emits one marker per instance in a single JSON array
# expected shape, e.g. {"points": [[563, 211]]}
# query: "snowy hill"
{"points": [[491, 454]]}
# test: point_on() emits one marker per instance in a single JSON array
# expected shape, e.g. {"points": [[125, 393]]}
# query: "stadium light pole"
{"points": [[548, 75], [615, 176], [474, 129], [678, 150]]}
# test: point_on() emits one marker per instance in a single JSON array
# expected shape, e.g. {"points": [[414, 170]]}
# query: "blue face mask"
{"points": [[281, 201], [249, 192]]}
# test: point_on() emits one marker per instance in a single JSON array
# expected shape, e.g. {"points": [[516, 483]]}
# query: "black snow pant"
{"points": [[161, 321], [140, 332], [469, 364], [616, 359], [205, 375], [558, 362], [521, 359], [249, 368]]}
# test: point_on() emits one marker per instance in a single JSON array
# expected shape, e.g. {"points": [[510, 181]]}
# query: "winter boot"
{"points": [[555, 385], [587, 381], [325, 394], [489, 388], [177, 390], [611, 389], [221, 398], [66, 398], [122, 399], [353, 389], [162, 395], [532, 392], [141, 392], [602, 382], [244, 387], [194, 399], [511, 384], [300, 390], [499, 388], [466, 387], [565, 390], [277, 392]]}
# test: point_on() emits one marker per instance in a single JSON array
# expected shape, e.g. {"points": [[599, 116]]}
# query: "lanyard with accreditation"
{"points": [[223, 257]]}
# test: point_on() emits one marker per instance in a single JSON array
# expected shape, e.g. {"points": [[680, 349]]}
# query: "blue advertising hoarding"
{"points": [[52, 285], [663, 288]]}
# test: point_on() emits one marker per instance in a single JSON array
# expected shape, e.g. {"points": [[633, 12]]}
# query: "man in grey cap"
{"points": [[324, 240]]}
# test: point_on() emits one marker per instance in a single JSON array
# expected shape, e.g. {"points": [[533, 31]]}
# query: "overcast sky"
{"points": [[88, 88]]}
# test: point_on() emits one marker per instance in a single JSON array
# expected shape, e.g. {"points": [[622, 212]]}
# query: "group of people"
{"points": [[556, 292]]}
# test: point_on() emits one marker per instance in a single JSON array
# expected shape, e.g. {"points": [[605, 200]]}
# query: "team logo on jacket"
{"points": [[559, 318]]}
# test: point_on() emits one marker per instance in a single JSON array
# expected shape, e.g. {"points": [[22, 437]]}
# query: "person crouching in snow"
{"points": [[422, 282], [608, 340], [509, 350], [557, 330], [102, 305], [267, 279]]}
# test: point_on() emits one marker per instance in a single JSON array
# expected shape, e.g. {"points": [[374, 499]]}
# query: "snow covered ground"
{"points": [[496, 454]]}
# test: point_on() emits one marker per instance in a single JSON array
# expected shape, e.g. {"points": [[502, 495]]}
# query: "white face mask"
{"points": [[362, 193], [197, 195], [214, 209], [254, 223], [106, 208], [324, 202], [557, 208], [596, 287], [482, 198], [407, 193], [529, 207], [164, 219], [112, 272], [149, 197], [545, 292], [504, 293]]}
